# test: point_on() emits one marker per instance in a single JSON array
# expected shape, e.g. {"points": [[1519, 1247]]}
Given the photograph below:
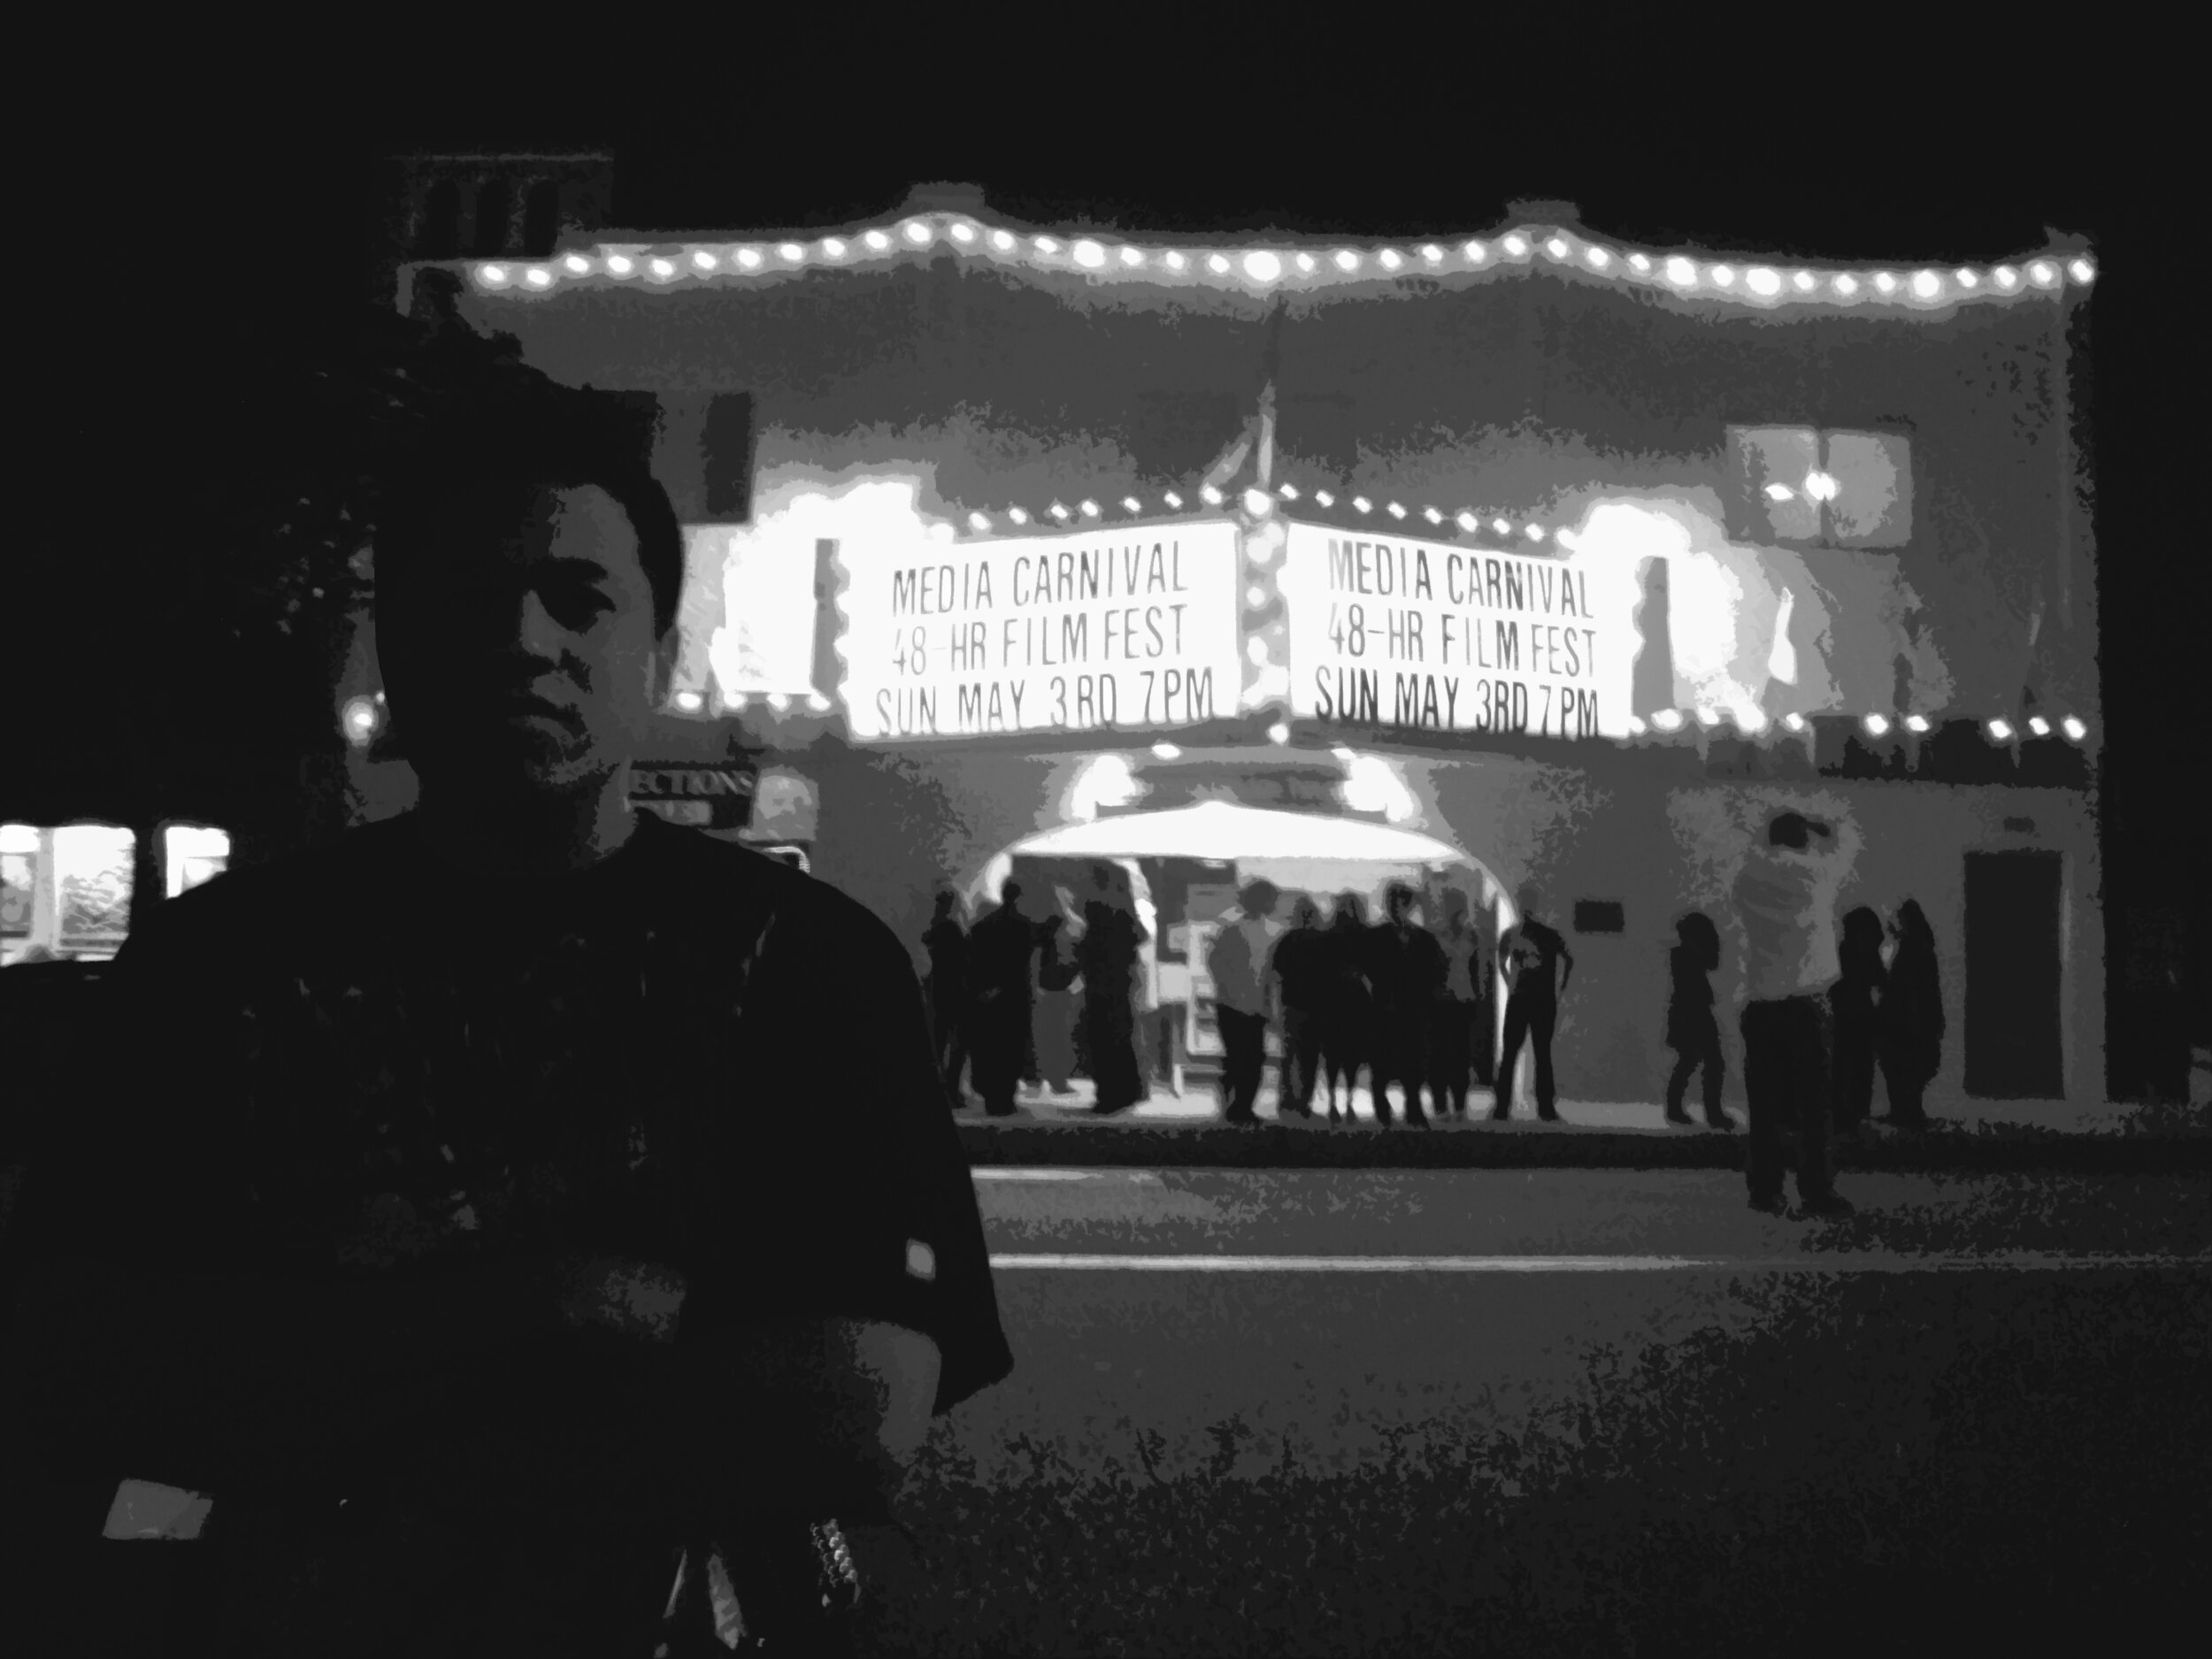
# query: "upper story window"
{"points": [[1824, 488]]}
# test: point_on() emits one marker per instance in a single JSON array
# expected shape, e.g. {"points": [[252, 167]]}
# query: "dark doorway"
{"points": [[2013, 1045]]}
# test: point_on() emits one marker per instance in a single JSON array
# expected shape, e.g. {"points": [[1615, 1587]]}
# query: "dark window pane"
{"points": [[491, 219], [1599, 916], [541, 221]]}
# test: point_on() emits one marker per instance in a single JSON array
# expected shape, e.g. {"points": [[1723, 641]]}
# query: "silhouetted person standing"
{"points": [[1409, 977], [1909, 1022], [1238, 962], [1057, 974], [1000, 950], [1113, 937], [1458, 1004], [1785, 902], [1692, 1029], [483, 1341], [947, 942], [1854, 1001], [1533, 955], [1348, 1033], [1300, 969]]}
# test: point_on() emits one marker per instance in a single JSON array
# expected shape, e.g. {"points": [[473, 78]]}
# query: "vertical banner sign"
{"points": [[1385, 631], [1131, 629]]}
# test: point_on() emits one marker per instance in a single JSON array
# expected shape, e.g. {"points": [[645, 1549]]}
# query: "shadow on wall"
{"points": [[885, 825]]}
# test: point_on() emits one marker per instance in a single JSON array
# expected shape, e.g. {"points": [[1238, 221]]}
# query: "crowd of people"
{"points": [[1410, 1005]]}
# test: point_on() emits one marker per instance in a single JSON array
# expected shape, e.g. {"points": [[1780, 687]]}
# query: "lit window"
{"points": [[1825, 488]]}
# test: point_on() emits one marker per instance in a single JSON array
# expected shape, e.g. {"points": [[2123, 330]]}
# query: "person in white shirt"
{"points": [[1786, 905], [1239, 963]]}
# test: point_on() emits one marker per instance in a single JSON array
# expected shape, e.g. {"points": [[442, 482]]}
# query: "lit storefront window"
{"points": [[191, 854]]}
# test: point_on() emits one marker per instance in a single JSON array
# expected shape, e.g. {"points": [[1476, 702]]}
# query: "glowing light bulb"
{"points": [[1278, 734], [1210, 495], [1795, 722], [1638, 262], [2082, 271], [1681, 273], [1018, 515], [1058, 511], [1256, 652], [1536, 533], [1805, 282], [792, 252], [1555, 248], [1517, 246], [1847, 286], [1966, 279], [917, 231], [832, 246], [1254, 597], [1636, 724], [1132, 256], [1926, 285], [779, 701], [734, 699], [1779, 491], [1501, 526], [2074, 728], [620, 264], [978, 521], [1132, 504], [688, 700], [1262, 267], [1915, 723], [1089, 255], [1175, 262], [1764, 282], [1751, 719], [1346, 260], [818, 703], [1305, 263], [2040, 727], [1723, 275], [2007, 277], [1362, 504], [1045, 244], [1217, 264], [1885, 283], [491, 275], [1391, 259], [749, 257], [1288, 491], [1324, 498], [2001, 730], [877, 240], [1431, 515], [1707, 717], [1668, 719], [1467, 521], [1598, 257], [1477, 252], [1258, 502], [578, 266], [1002, 242], [1174, 502], [963, 233], [704, 260], [538, 277], [1397, 511], [1089, 509], [1432, 253], [1876, 725], [663, 269]]}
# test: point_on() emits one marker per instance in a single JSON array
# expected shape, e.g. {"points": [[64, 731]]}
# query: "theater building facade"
{"points": [[1577, 557]]}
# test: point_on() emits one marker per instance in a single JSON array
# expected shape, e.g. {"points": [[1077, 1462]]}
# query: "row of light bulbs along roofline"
{"points": [[1262, 267], [364, 715]]}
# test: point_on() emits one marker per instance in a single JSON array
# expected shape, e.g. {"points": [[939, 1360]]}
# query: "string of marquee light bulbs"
{"points": [[1757, 283]]}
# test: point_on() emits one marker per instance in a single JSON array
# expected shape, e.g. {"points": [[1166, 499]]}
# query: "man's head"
{"points": [[1010, 895], [528, 565], [1258, 898], [947, 899], [1398, 902], [1529, 900], [1794, 831], [1305, 912]]}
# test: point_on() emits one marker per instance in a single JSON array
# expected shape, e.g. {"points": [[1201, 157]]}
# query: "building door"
{"points": [[2013, 1049]]}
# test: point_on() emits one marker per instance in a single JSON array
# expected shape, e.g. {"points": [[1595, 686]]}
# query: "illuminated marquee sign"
{"points": [[1387, 632], [1114, 630]]}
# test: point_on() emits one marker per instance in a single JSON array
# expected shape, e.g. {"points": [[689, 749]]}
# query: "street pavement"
{"points": [[1455, 1411]]}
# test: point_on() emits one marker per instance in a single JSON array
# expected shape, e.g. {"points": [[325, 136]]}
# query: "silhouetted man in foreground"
{"points": [[1410, 971], [947, 942], [517, 1294]]}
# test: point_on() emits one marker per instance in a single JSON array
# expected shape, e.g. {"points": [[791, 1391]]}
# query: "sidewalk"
{"points": [[1190, 1130]]}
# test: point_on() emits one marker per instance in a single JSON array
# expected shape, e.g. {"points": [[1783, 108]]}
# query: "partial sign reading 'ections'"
{"points": [[1394, 633], [1131, 629]]}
